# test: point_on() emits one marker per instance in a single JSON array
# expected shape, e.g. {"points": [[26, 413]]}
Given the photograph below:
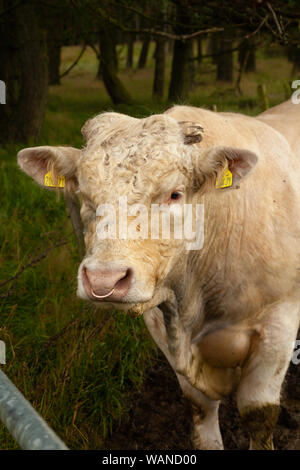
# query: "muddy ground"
{"points": [[160, 418]]}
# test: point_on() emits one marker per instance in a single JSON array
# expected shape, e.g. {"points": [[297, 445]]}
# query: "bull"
{"points": [[225, 314]]}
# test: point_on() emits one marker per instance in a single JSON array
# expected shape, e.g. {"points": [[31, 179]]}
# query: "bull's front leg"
{"points": [[206, 432], [258, 395]]}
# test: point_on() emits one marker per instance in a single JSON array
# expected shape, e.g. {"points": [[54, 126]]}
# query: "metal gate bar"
{"points": [[23, 422]]}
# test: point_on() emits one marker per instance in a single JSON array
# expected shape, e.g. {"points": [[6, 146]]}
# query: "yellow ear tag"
{"points": [[50, 182], [224, 180]]}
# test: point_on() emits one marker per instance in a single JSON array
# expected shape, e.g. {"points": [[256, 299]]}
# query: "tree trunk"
{"points": [[251, 64], [247, 55], [225, 60], [144, 53], [159, 72], [296, 61], [293, 54], [191, 65], [180, 73], [54, 27], [113, 52], [199, 50], [54, 53], [23, 59], [130, 45], [213, 45], [179, 83], [99, 75], [113, 84]]}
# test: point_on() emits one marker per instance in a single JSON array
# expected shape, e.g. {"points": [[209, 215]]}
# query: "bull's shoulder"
{"points": [[285, 119], [283, 109]]}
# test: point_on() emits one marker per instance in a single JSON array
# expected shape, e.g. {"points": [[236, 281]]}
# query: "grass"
{"points": [[79, 367]]}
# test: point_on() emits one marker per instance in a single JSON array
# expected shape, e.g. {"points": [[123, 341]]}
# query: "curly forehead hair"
{"points": [[121, 143]]}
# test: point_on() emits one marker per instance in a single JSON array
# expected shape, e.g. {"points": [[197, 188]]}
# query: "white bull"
{"points": [[225, 315]]}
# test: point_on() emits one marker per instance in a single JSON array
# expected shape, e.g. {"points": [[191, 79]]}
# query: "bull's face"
{"points": [[131, 174]]}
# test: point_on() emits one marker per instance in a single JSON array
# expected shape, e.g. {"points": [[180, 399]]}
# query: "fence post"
{"points": [[263, 97]]}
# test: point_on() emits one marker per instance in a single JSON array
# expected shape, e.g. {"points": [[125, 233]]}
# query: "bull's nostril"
{"points": [[112, 284], [125, 280]]}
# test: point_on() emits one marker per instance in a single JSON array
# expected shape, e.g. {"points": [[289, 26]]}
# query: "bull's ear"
{"points": [[51, 166], [214, 163]]}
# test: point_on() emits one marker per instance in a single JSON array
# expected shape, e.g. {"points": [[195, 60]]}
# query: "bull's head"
{"points": [[156, 160]]}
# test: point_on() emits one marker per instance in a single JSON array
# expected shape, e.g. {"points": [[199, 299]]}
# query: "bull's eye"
{"points": [[175, 195]]}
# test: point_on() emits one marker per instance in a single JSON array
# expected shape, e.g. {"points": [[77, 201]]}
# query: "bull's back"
{"points": [[285, 118]]}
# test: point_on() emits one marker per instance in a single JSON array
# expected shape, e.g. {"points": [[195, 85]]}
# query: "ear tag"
{"points": [[224, 180], [50, 182]]}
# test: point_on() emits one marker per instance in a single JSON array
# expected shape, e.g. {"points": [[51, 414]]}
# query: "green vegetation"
{"points": [[78, 366]]}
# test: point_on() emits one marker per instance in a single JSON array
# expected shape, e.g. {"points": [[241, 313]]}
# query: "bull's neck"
{"points": [[206, 267]]}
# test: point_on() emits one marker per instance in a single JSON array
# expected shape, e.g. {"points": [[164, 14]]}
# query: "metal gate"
{"points": [[23, 422]]}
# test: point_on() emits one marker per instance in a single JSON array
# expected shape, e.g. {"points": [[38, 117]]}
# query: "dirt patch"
{"points": [[160, 417]]}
